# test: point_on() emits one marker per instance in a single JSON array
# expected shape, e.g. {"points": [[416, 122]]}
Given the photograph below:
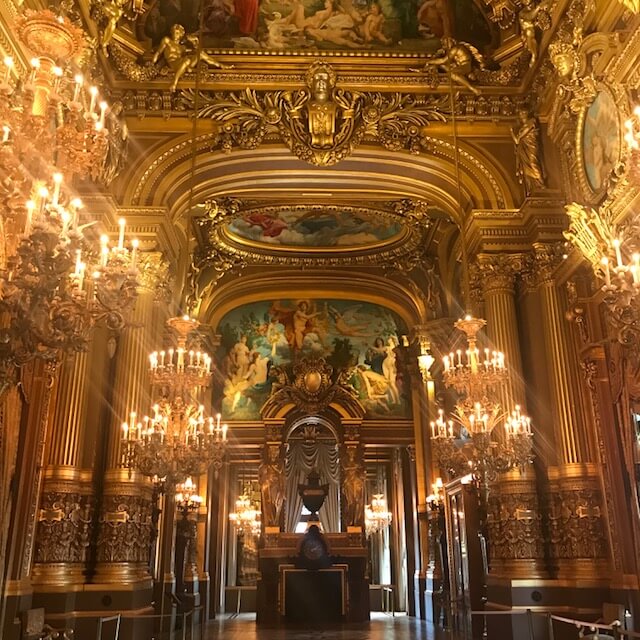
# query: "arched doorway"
{"points": [[312, 445], [312, 421]]}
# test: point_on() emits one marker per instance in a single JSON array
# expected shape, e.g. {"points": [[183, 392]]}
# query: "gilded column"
{"points": [[498, 273], [36, 385], [126, 527], [514, 520], [428, 576], [577, 532], [66, 500]]}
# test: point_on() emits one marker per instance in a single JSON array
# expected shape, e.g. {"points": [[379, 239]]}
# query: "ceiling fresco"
{"points": [[323, 25], [314, 227], [261, 338]]}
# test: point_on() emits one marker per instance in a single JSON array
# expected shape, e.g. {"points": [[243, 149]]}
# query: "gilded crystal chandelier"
{"points": [[177, 440], [478, 378], [376, 515], [246, 517], [52, 125]]}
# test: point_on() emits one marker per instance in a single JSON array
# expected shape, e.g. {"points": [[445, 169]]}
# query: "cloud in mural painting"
{"points": [[350, 334]]}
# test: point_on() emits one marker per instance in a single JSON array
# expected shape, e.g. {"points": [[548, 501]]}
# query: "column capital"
{"points": [[498, 271], [154, 274], [542, 263]]}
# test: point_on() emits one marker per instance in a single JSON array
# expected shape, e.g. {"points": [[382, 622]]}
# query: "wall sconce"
{"points": [[435, 500], [425, 360]]}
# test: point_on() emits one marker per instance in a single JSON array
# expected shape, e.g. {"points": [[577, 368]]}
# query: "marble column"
{"points": [[578, 541], [514, 520]]}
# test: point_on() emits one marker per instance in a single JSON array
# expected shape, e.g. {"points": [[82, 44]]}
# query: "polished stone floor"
{"points": [[380, 627]]}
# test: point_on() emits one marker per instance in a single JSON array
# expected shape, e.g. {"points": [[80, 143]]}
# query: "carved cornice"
{"points": [[311, 390], [146, 102]]}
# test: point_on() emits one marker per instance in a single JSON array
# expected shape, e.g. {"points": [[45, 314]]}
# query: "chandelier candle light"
{"points": [[178, 440], [186, 498]]}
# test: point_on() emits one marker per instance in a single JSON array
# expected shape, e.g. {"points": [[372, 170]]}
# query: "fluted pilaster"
{"points": [[514, 519], [126, 526], [498, 274], [66, 499], [562, 366], [578, 544], [131, 389]]}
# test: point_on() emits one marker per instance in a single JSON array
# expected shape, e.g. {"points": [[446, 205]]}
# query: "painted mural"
{"points": [[406, 25], [315, 227], [601, 139], [357, 335]]}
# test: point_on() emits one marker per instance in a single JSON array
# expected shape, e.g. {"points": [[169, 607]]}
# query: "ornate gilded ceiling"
{"points": [[317, 117]]}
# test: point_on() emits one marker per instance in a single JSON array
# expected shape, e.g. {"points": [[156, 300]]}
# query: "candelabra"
{"points": [[187, 500], [478, 412], [47, 304], [246, 516], [53, 110], [614, 253], [177, 441], [50, 127]]}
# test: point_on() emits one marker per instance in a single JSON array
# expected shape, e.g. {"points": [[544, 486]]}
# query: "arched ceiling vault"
{"points": [[167, 176], [322, 284]]}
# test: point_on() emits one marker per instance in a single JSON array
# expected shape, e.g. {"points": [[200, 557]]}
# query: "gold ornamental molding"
{"points": [[148, 104], [166, 175], [218, 254], [354, 285], [320, 123]]}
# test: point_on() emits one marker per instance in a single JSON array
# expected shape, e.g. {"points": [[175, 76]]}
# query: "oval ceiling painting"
{"points": [[320, 227]]}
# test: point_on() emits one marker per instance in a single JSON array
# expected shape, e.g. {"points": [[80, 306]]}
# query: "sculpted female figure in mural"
{"points": [[240, 356], [272, 486], [335, 25], [301, 327]]}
